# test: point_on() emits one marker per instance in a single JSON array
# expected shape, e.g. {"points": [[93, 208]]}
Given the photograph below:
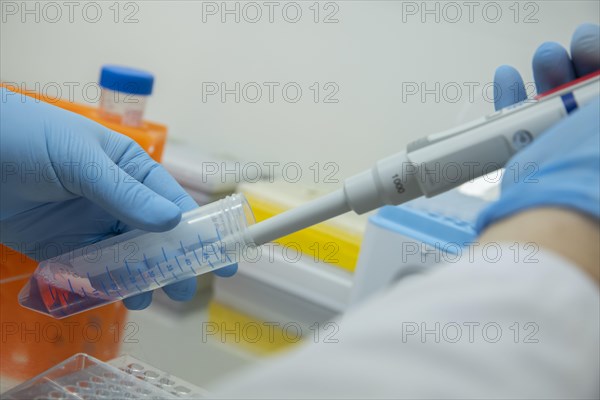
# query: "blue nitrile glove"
{"points": [[68, 182], [561, 168]]}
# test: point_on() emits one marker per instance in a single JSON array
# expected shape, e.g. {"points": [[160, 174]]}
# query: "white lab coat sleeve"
{"points": [[489, 326]]}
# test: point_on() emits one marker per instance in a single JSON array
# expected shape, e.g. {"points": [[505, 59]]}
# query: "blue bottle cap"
{"points": [[126, 80]]}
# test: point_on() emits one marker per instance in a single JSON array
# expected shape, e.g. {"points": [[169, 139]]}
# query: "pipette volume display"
{"points": [[206, 239]]}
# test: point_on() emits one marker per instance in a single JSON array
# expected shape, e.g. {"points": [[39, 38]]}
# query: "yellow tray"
{"points": [[233, 327], [327, 242]]}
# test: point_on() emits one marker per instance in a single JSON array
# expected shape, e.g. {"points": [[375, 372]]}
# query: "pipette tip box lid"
{"points": [[412, 238]]}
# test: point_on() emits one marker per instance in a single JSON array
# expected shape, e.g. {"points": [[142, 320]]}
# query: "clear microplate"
{"points": [[84, 377], [175, 386]]}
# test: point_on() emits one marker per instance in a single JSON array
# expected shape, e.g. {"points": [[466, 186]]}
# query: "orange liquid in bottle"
{"points": [[31, 342]]}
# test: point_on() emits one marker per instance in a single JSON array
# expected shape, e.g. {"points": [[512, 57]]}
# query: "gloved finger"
{"points": [[552, 67], [140, 166], [139, 301], [227, 271], [136, 162], [183, 290], [114, 190], [508, 87], [585, 49]]}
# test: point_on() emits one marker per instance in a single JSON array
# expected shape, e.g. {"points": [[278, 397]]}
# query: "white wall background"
{"points": [[374, 49]]}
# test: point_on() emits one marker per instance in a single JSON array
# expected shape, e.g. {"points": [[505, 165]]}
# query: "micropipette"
{"points": [[438, 162]]}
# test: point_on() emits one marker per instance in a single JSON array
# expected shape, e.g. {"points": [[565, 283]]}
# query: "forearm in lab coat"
{"points": [[520, 324]]}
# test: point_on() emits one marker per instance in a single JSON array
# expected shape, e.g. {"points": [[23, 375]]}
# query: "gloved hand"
{"points": [[560, 168], [68, 182]]}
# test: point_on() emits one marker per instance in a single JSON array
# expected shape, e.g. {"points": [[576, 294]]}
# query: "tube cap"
{"points": [[126, 80]]}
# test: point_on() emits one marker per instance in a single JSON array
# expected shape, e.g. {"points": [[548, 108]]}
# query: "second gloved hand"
{"points": [[560, 168]]}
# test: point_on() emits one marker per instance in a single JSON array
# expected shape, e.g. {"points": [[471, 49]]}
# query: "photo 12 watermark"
{"points": [[470, 251], [469, 332], [270, 12], [270, 92], [53, 12], [270, 332], [454, 12], [69, 332], [467, 92], [269, 171]]}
